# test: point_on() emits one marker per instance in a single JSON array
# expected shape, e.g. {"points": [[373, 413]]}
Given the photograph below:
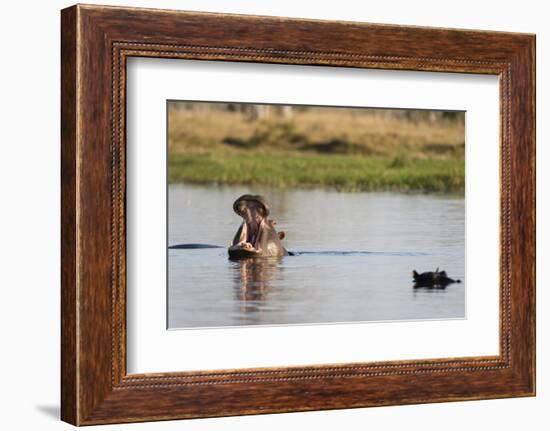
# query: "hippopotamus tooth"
{"points": [[257, 236]]}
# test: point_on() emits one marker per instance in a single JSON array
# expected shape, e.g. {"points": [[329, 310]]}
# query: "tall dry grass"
{"points": [[322, 130], [345, 149]]}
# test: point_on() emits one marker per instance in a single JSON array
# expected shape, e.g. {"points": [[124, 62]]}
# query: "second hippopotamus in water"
{"points": [[256, 237], [436, 278]]}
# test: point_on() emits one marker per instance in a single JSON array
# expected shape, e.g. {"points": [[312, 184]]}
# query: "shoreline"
{"points": [[344, 173]]}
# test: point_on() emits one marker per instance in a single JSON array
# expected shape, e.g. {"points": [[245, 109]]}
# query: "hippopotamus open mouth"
{"points": [[256, 237]]}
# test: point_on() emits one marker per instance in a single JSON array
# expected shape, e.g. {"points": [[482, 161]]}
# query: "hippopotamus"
{"points": [[256, 237], [432, 279]]}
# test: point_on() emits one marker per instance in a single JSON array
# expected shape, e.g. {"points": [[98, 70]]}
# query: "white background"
{"points": [[29, 215], [151, 348]]}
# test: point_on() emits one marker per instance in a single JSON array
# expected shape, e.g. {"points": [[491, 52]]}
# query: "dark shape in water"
{"points": [[436, 279], [192, 246], [256, 237]]}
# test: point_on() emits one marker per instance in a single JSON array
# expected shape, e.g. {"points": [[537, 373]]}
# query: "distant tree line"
{"points": [[265, 111]]}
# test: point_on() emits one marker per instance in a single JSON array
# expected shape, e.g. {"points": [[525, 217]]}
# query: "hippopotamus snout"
{"points": [[257, 236]]}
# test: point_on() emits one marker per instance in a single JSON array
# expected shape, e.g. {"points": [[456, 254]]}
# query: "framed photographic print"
{"points": [[264, 215]]}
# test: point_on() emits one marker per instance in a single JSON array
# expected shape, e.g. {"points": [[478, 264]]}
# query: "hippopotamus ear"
{"points": [[415, 274], [282, 235]]}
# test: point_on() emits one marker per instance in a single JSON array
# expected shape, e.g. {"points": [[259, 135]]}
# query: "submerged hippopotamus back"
{"points": [[256, 237]]}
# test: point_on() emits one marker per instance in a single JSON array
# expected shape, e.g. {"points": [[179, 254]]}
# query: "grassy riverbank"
{"points": [[331, 148], [341, 172]]}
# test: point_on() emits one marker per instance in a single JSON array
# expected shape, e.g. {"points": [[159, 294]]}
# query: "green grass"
{"points": [[337, 148], [339, 172]]}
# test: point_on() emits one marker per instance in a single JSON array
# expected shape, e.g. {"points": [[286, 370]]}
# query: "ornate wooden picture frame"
{"points": [[96, 42]]}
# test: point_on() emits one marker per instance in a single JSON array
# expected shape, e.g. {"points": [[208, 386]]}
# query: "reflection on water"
{"points": [[354, 253], [254, 275]]}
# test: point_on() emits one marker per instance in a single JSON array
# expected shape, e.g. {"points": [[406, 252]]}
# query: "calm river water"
{"points": [[355, 255]]}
